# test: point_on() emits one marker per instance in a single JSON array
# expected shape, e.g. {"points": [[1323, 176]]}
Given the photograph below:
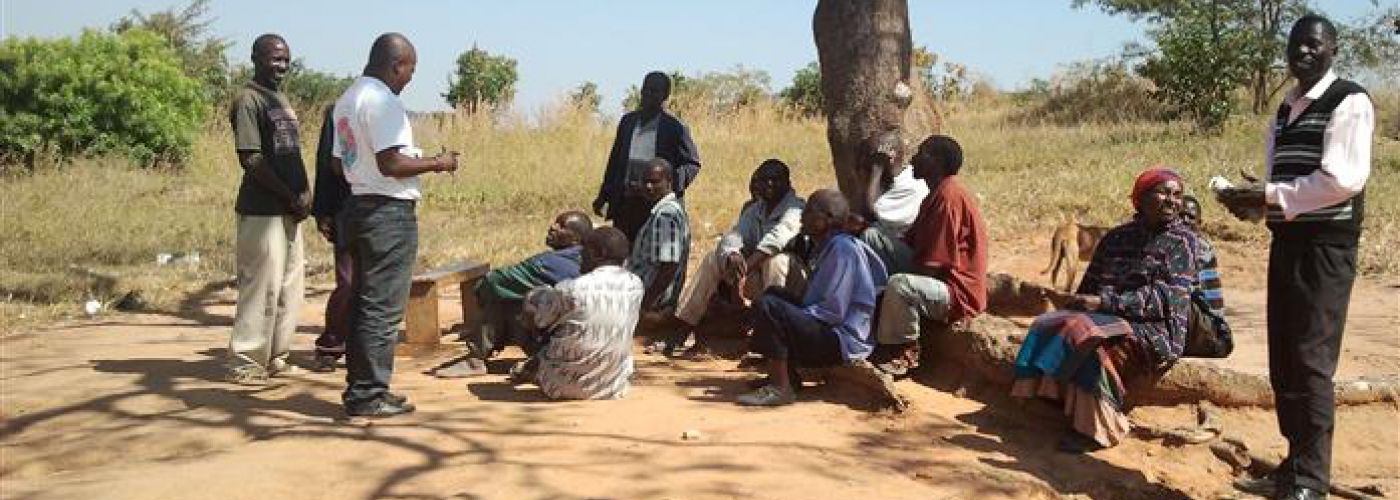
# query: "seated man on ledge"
{"points": [[500, 292], [831, 325], [749, 259], [662, 246], [586, 324], [891, 202], [949, 243]]}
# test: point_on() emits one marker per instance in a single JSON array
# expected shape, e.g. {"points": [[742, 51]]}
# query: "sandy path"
{"points": [[131, 407]]}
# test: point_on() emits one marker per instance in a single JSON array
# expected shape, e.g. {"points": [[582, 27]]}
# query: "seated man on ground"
{"points": [[749, 257], [586, 324], [1129, 318], [891, 204], [949, 242], [500, 292], [663, 244], [831, 324]]}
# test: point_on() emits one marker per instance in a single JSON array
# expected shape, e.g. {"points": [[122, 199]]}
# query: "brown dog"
{"points": [[1071, 243]]}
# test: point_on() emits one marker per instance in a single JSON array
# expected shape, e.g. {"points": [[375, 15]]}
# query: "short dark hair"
{"points": [[661, 163], [775, 165], [577, 222], [946, 149], [264, 42], [660, 76], [606, 245], [831, 203], [388, 49], [1327, 27]]}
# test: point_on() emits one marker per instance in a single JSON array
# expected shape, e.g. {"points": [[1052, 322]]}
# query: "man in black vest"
{"points": [[1318, 159], [647, 133]]}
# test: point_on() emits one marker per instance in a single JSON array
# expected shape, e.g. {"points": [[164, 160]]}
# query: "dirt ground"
{"points": [[132, 406]]}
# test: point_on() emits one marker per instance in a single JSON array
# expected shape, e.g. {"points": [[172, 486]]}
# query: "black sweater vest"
{"points": [[1298, 153]]}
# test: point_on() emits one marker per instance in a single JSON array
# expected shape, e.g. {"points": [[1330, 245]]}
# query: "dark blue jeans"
{"points": [[782, 330], [383, 243]]}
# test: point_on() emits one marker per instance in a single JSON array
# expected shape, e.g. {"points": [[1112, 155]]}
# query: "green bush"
{"points": [[101, 93], [805, 93], [481, 78]]}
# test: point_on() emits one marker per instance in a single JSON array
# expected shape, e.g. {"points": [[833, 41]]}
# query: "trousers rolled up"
{"points": [[1309, 290], [270, 291], [783, 270], [909, 300], [383, 244]]}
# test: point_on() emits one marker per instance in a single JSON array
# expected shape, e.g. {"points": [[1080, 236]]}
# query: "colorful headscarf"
{"points": [[1149, 179]]}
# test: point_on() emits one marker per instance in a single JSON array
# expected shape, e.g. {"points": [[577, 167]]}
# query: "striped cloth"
{"points": [[589, 323], [1208, 279], [664, 238]]}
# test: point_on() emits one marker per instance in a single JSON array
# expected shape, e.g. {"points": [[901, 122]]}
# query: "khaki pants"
{"points": [[270, 268], [909, 299], [784, 271]]}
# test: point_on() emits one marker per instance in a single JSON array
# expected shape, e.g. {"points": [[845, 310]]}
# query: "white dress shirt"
{"points": [[1346, 153]]}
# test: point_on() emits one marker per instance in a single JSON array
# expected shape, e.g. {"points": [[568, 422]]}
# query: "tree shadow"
{"points": [[1028, 432]]}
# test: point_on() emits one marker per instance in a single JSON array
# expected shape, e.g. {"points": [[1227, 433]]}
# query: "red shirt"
{"points": [[949, 234]]}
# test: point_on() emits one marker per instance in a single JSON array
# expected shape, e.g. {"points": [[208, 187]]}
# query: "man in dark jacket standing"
{"points": [[332, 194], [647, 133]]}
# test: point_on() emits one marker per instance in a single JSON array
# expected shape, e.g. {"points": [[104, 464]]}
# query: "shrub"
{"points": [[102, 93], [805, 93], [481, 78], [1090, 92]]}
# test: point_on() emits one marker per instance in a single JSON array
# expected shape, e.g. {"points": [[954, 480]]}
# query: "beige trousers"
{"points": [[270, 268], [783, 271]]}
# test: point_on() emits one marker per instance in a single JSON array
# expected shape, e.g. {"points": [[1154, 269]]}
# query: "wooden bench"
{"points": [[423, 333]]}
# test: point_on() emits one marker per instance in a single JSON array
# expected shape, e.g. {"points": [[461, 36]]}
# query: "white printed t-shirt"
{"points": [[370, 118]]}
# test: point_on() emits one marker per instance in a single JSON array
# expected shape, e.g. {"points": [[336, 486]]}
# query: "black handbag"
{"points": [[1207, 333]]}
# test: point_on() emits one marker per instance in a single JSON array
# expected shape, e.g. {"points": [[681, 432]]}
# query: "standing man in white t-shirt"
{"points": [[374, 141]]}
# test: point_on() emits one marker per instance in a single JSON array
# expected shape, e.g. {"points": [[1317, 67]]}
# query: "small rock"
{"points": [[691, 435]]}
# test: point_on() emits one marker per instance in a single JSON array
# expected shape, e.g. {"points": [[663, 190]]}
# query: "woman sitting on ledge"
{"points": [[1128, 318]]}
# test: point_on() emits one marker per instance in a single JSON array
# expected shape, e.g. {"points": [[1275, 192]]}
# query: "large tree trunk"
{"points": [[863, 48]]}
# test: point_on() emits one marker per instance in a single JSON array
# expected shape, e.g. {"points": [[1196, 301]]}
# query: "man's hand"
{"points": [[326, 228], [300, 205], [446, 161], [598, 205], [1246, 203], [1086, 303], [736, 267]]}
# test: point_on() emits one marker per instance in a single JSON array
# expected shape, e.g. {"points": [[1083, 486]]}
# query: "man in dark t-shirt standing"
{"points": [[272, 201]]}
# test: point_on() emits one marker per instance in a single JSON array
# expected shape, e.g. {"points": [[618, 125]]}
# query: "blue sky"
{"points": [[561, 43]]}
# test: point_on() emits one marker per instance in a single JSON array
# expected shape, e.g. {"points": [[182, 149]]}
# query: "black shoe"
{"points": [[1300, 493], [398, 399], [1261, 486], [385, 406], [325, 363]]}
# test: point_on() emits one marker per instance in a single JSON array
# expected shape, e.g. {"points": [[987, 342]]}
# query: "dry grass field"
{"points": [[93, 229]]}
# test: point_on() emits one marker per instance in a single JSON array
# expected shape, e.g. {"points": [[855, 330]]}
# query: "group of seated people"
{"points": [[827, 282]]}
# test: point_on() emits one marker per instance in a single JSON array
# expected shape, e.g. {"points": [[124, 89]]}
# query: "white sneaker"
{"points": [[282, 368]]}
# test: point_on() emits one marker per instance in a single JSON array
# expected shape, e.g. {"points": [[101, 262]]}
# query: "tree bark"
{"points": [[863, 48]]}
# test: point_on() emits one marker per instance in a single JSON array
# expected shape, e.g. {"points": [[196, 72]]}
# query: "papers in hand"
{"points": [[1220, 184]]}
